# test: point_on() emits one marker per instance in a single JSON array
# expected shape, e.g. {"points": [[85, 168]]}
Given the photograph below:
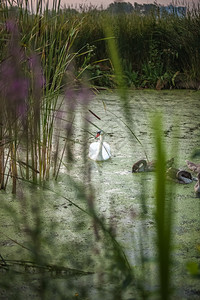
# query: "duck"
{"points": [[193, 167], [143, 166], [180, 176], [99, 151], [197, 186]]}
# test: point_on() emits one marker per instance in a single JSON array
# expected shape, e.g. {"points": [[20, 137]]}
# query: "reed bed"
{"points": [[156, 51], [36, 52]]}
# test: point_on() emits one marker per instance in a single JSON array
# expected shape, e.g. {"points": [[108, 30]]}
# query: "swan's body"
{"points": [[197, 186], [100, 150], [193, 167], [144, 166], [180, 176]]}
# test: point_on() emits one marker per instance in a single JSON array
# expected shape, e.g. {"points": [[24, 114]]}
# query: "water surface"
{"points": [[68, 236]]}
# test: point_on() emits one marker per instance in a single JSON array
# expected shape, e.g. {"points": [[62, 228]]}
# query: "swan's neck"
{"points": [[99, 152]]}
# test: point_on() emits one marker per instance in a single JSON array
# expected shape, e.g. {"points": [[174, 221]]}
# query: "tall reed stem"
{"points": [[163, 213]]}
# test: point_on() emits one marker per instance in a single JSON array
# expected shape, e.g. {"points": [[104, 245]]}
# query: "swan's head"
{"points": [[100, 132]]}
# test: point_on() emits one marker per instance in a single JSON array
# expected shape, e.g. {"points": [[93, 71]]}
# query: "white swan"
{"points": [[100, 150]]}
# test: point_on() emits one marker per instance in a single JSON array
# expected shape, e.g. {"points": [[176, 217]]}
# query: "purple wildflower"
{"points": [[85, 95], [82, 95], [14, 86], [71, 96], [11, 26], [14, 48]]}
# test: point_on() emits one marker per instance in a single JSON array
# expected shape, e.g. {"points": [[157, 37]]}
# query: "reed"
{"points": [[163, 214]]}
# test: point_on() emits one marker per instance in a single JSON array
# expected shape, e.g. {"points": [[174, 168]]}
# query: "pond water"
{"points": [[67, 233]]}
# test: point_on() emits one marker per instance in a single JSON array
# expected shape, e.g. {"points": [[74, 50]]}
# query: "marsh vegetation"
{"points": [[73, 228]]}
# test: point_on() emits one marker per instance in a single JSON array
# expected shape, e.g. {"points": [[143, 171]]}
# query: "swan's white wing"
{"points": [[93, 149], [106, 151]]}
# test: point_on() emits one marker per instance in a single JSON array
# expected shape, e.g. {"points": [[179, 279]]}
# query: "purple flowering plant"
{"points": [[21, 83], [14, 85]]}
